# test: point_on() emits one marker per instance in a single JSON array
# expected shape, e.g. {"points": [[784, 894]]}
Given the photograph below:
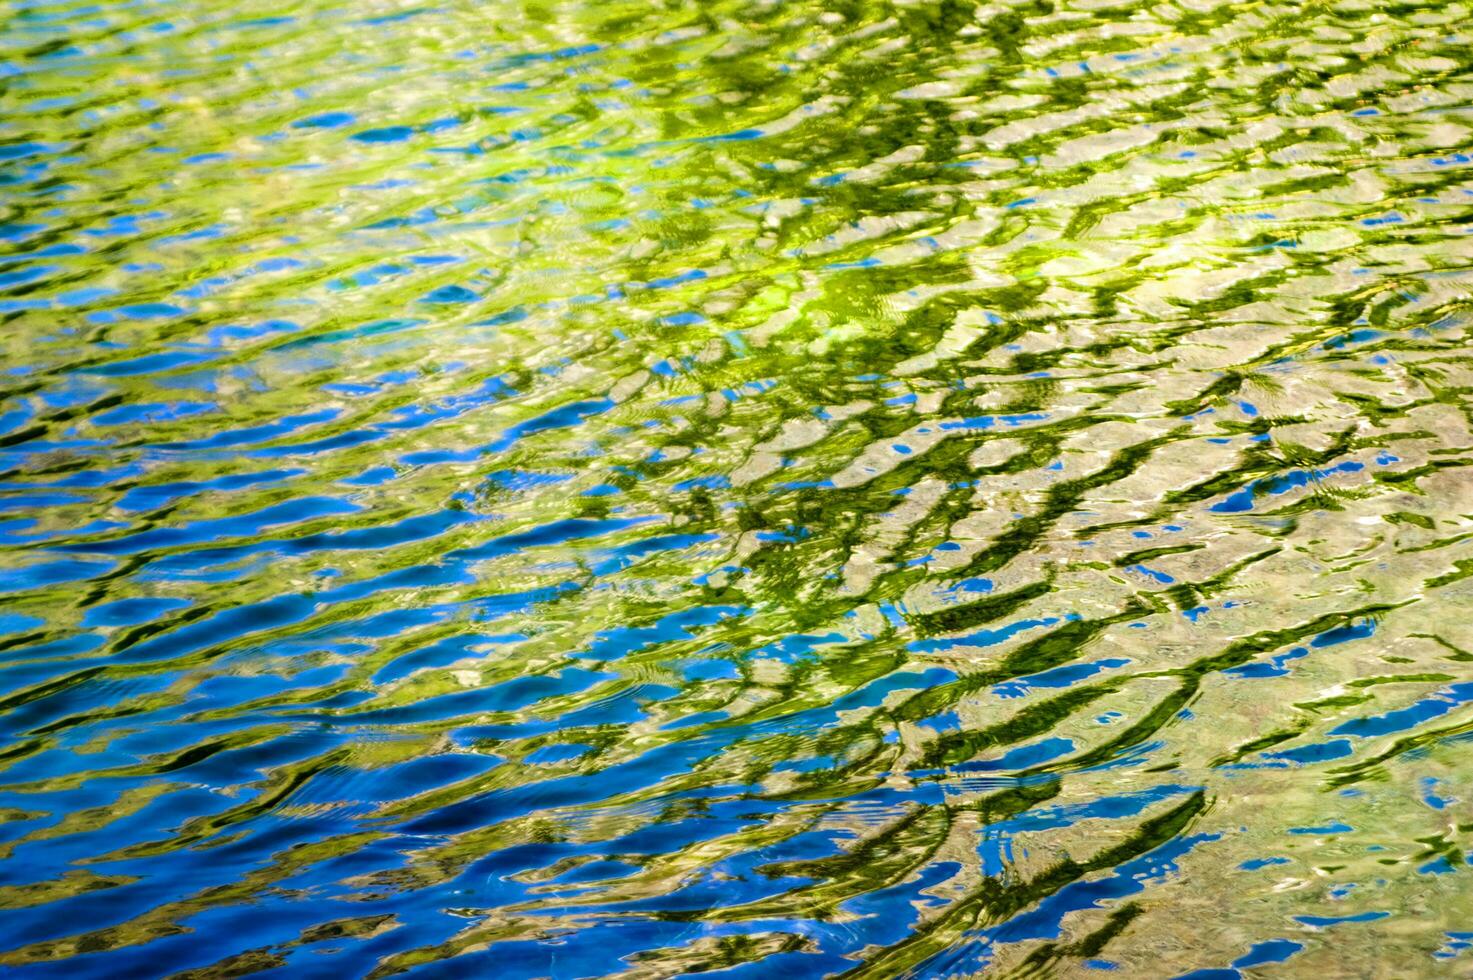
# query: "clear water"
{"points": [[757, 488]]}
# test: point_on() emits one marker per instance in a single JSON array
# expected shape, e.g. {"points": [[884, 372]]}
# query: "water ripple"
{"points": [[641, 490]]}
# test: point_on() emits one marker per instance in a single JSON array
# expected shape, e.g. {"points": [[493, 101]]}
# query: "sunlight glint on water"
{"points": [[749, 488]]}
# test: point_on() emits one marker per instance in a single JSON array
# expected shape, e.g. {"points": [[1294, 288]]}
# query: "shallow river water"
{"points": [[764, 489]]}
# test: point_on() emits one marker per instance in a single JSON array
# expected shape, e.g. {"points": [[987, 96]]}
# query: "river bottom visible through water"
{"points": [[744, 489]]}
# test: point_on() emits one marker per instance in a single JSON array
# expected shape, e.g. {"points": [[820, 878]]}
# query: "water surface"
{"points": [[635, 489]]}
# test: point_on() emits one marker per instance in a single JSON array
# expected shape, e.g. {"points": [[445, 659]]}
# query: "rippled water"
{"points": [[773, 488]]}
